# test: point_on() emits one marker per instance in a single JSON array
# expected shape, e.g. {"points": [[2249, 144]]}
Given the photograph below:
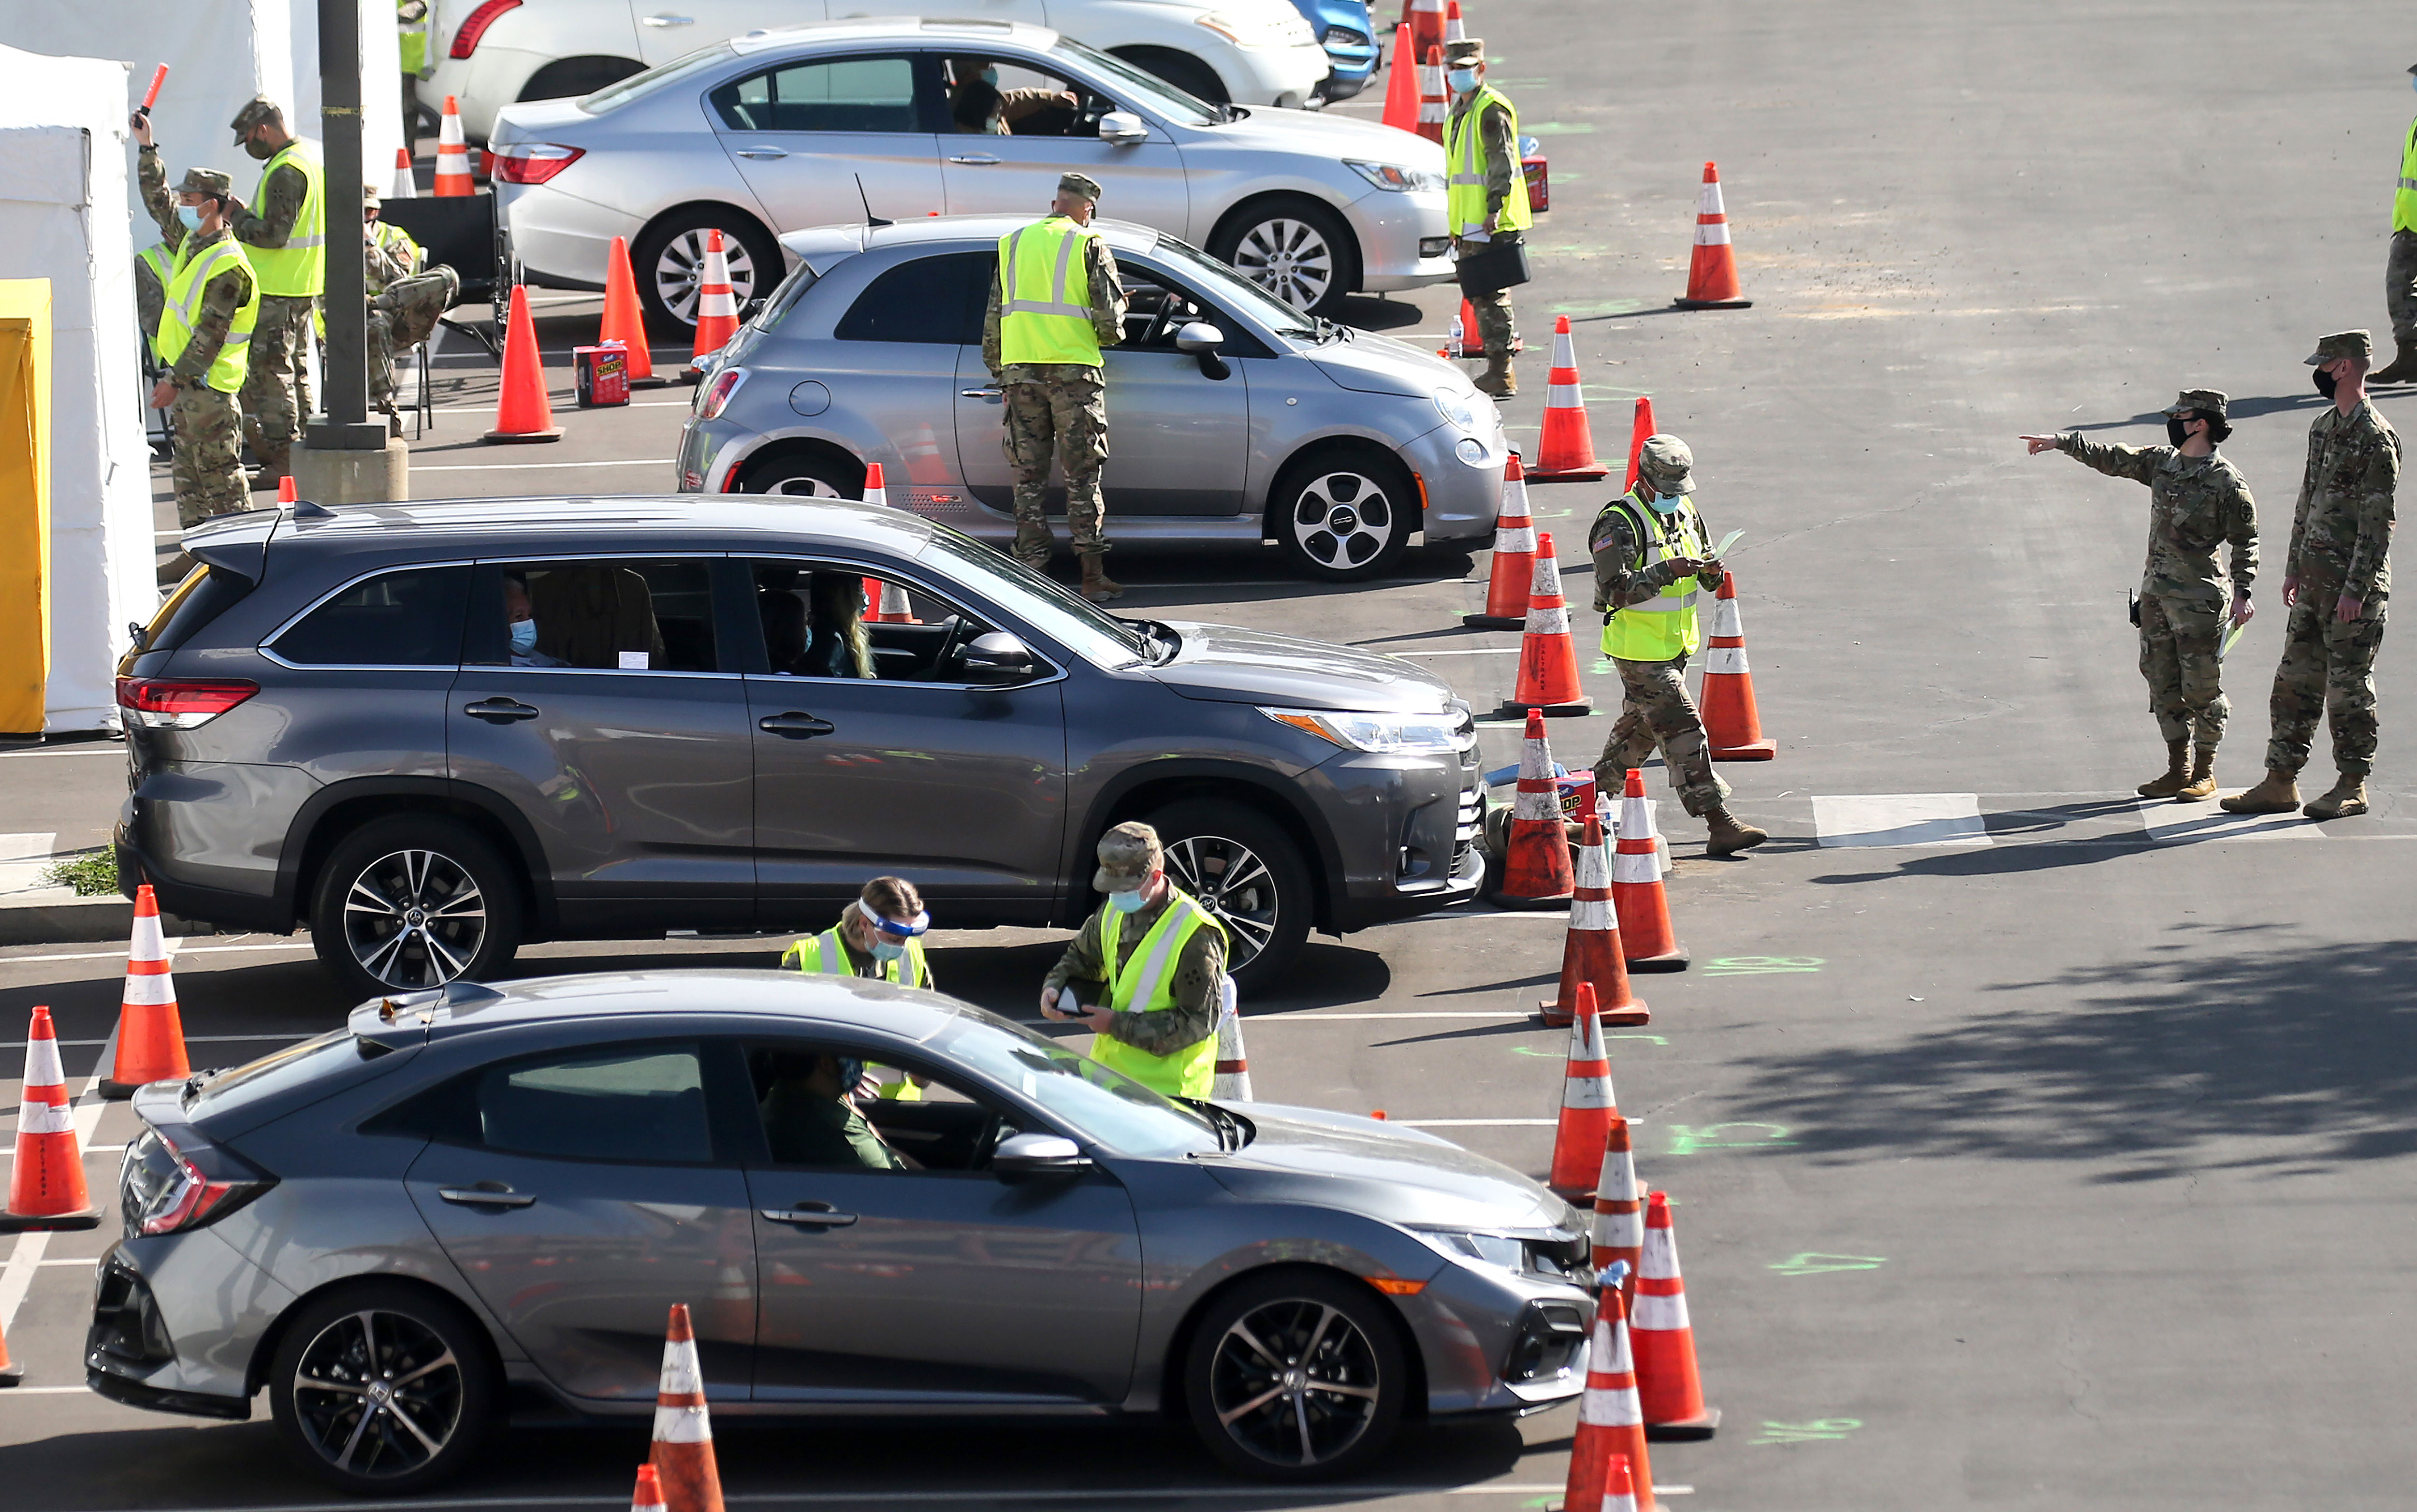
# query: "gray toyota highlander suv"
{"points": [[332, 722]]}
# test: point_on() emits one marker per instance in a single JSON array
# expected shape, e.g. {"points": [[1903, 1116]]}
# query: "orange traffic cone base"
{"points": [[55, 1223], [1687, 1430], [1494, 622], [1553, 1015], [1708, 303], [1676, 959], [1511, 710], [1760, 751], [1595, 473]]}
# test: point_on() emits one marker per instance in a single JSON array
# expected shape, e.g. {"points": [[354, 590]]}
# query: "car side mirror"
{"points": [[1124, 128], [996, 657], [1203, 342], [1039, 1154]]}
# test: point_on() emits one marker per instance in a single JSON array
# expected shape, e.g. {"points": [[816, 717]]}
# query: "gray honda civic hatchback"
{"points": [[469, 1202], [431, 733]]}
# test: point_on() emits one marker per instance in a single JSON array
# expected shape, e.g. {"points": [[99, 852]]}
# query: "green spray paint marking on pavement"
{"points": [[1827, 1427], [1606, 306], [1813, 1263], [1686, 1140], [1762, 965], [1557, 128]]}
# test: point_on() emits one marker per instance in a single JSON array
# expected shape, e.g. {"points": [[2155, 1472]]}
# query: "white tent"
{"points": [[65, 164]]}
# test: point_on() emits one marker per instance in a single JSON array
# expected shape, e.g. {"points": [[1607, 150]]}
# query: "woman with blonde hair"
{"points": [[839, 646]]}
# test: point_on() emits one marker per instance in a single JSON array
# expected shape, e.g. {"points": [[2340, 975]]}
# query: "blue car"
{"points": [[1349, 36]]}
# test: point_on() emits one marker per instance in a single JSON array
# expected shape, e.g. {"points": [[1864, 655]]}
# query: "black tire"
{"points": [[1295, 249], [809, 475], [1344, 512], [1343, 1405], [1181, 69], [416, 1359], [669, 259], [569, 78], [441, 879], [1246, 870]]}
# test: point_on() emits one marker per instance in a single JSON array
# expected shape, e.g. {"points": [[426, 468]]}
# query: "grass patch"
{"points": [[93, 874]]}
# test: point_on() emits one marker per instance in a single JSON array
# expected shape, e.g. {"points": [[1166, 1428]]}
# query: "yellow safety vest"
{"points": [[411, 38], [300, 267], [386, 233], [826, 955], [1044, 283], [162, 263], [2403, 199], [1665, 628], [184, 285], [1144, 983], [1465, 153]]}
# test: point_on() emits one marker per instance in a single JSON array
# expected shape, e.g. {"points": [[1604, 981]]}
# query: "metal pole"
{"points": [[344, 425]]}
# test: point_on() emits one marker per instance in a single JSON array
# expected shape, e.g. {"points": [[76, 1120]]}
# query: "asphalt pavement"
{"points": [[2033, 1147]]}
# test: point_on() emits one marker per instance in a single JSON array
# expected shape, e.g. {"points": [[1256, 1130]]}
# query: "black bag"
{"points": [[1491, 266]]}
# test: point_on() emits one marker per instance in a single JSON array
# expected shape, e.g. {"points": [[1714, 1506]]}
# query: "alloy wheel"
{"points": [[378, 1394], [680, 272], [1289, 259], [1295, 1382], [805, 488], [415, 918], [1341, 520], [1232, 883]]}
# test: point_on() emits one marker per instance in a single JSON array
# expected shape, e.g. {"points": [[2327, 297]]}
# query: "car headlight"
{"points": [[1381, 735], [1471, 452], [1549, 1258], [1259, 29], [1343, 37], [1396, 177], [1455, 408]]}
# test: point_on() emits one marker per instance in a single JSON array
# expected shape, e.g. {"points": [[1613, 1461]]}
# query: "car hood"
{"points": [[1227, 664], [1368, 364], [1328, 136], [1395, 1175]]}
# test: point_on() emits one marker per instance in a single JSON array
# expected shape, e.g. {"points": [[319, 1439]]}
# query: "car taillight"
{"points": [[180, 703], [162, 1189], [534, 162], [718, 395], [466, 40]]}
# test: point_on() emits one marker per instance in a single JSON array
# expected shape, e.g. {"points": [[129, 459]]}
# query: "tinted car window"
{"points": [[933, 299], [624, 615], [633, 1103], [397, 619], [204, 595], [840, 94]]}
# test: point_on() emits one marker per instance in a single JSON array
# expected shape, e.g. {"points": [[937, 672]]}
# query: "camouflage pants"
{"points": [[400, 318], [277, 391], [207, 463], [2178, 640], [1655, 711], [1496, 328], [1068, 418], [2328, 667], [2400, 285]]}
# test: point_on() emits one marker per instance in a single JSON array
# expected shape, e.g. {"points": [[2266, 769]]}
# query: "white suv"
{"points": [[492, 52]]}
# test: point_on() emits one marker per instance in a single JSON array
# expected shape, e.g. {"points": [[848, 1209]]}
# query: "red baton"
{"points": [[151, 96]]}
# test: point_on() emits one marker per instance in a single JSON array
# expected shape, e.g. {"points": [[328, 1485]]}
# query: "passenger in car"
{"points": [[784, 612], [838, 646], [596, 614], [808, 1120], [522, 620]]}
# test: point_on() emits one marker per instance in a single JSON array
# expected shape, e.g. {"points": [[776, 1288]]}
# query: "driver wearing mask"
{"points": [[809, 1121], [977, 104]]}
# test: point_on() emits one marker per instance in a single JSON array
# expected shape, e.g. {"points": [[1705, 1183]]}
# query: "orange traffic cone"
{"points": [[522, 412], [1590, 954], [150, 1032], [1402, 82], [1513, 571], [1455, 29], [1617, 1492], [1548, 657], [1587, 1105], [1637, 431], [46, 1183], [1471, 344], [1566, 452], [1732, 725], [406, 187], [1711, 275], [453, 154], [683, 1453], [884, 603], [625, 320], [1668, 1384], [1433, 104], [1426, 26], [649, 1495], [1618, 1216], [1645, 936], [285, 493], [717, 310], [1611, 1422], [1538, 865], [1233, 1075], [10, 1374]]}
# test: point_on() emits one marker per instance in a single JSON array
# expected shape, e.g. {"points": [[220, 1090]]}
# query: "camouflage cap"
{"points": [[2343, 344], [1127, 855], [1467, 50], [1667, 459], [207, 181], [1082, 184], [2203, 401], [370, 199], [257, 109]]}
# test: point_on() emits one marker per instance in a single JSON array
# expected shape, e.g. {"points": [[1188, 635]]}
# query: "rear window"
{"points": [[934, 300], [204, 595], [621, 1103], [411, 618]]}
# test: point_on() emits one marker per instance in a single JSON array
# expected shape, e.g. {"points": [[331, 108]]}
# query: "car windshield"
{"points": [[1153, 91], [1106, 1106], [1220, 282], [1102, 639], [686, 65]]}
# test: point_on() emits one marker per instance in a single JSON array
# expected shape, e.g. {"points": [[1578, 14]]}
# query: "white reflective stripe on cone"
{"points": [[1725, 658], [681, 1375], [148, 989], [1620, 1230], [1587, 1092], [1535, 806], [1594, 871], [1534, 766], [1591, 912], [45, 1118], [42, 1067], [682, 1425], [1634, 865], [1565, 351], [1562, 396], [1663, 1314], [1516, 541], [1636, 820], [1715, 234], [1611, 1409], [1727, 622], [1552, 621], [148, 943], [1708, 202]]}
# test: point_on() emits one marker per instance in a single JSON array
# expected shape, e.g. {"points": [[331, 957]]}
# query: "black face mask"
{"points": [[2324, 383], [259, 150], [2177, 431]]}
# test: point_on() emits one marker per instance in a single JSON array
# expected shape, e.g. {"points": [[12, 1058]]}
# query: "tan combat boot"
{"points": [[1097, 585], [2202, 777], [2278, 795], [1728, 836], [2348, 800], [2403, 369], [1497, 380], [2177, 773]]}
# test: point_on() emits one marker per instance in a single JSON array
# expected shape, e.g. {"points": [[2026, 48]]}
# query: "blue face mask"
{"points": [[1126, 902], [883, 950], [524, 636], [191, 215], [990, 77], [1668, 502], [1464, 81]]}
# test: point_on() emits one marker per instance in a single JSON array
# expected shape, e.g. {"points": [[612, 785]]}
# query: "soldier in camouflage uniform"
{"points": [[1503, 193], [405, 303], [2197, 503], [277, 396], [2337, 582], [1060, 407], [206, 465], [1169, 1045]]}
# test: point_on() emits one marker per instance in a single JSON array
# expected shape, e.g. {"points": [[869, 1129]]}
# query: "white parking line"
{"points": [[175, 947], [1485, 1123], [1137, 1493], [1474, 651]]}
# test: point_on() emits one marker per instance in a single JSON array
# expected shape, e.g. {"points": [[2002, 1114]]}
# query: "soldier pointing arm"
{"points": [[210, 303]]}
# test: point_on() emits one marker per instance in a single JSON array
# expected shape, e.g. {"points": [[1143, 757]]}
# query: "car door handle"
{"points": [[499, 710], [812, 1215], [761, 151], [796, 725], [988, 396], [665, 20], [486, 1194], [977, 160]]}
